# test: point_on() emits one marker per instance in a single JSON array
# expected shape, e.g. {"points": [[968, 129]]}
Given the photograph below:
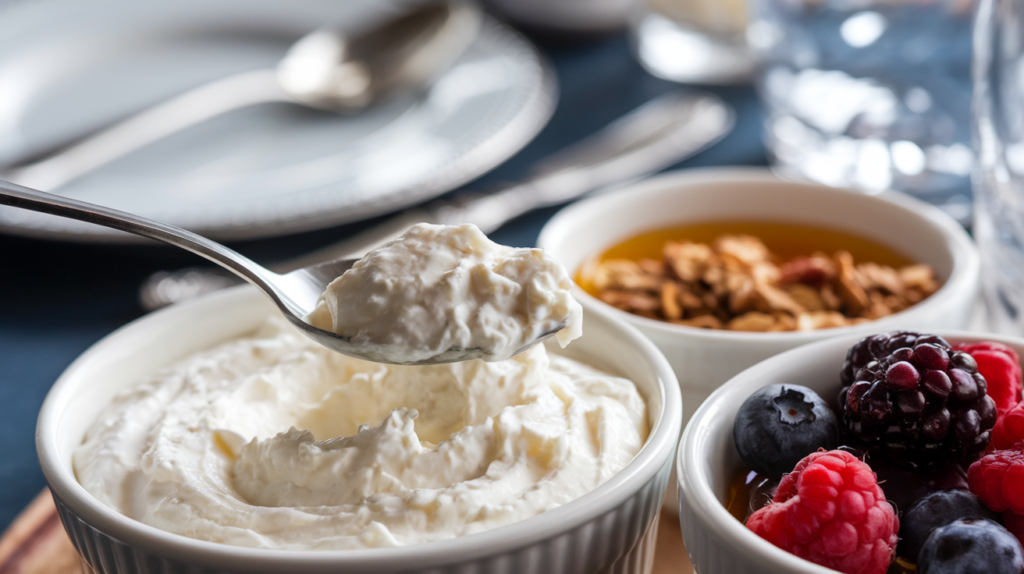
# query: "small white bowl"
{"points": [[611, 529], [704, 359], [707, 460]]}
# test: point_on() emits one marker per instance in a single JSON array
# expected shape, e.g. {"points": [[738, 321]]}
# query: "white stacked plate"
{"points": [[71, 67]]}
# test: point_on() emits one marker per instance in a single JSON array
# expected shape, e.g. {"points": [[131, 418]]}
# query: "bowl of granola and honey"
{"points": [[723, 268]]}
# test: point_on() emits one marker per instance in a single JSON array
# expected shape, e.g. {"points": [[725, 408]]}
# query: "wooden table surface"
{"points": [[36, 543]]}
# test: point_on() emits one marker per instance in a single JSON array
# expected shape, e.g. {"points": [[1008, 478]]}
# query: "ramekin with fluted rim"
{"points": [[610, 529], [704, 359], [717, 542]]}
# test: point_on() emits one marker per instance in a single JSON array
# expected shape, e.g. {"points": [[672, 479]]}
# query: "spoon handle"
{"points": [[186, 110], [650, 138], [18, 196]]}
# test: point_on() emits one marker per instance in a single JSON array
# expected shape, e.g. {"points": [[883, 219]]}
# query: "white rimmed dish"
{"points": [[704, 359], [71, 67], [611, 529], [707, 458]]}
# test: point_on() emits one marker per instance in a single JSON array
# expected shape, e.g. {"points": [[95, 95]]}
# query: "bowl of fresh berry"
{"points": [[892, 453]]}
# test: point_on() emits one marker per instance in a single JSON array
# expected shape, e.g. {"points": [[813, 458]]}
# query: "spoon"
{"points": [[323, 70], [295, 293]]}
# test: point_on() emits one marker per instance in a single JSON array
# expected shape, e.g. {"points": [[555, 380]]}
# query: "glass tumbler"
{"points": [[693, 41], [999, 182], [869, 94]]}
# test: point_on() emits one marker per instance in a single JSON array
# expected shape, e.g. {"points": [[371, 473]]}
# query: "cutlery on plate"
{"points": [[322, 70], [644, 141]]}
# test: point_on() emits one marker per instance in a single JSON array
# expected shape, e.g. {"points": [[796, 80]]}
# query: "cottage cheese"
{"points": [[273, 441], [449, 293]]}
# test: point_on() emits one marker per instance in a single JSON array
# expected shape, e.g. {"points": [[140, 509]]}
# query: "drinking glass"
{"points": [[999, 184], [870, 94], [693, 41]]}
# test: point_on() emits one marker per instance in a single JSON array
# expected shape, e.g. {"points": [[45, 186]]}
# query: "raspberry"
{"points": [[1009, 429], [1000, 366], [998, 479], [831, 511], [913, 399]]}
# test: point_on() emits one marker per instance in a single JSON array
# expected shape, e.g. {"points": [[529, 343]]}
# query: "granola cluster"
{"points": [[736, 284]]}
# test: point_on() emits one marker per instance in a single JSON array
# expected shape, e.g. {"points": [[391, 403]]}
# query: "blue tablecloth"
{"points": [[57, 298]]}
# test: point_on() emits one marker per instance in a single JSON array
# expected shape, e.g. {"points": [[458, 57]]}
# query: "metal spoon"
{"points": [[322, 70], [295, 293]]}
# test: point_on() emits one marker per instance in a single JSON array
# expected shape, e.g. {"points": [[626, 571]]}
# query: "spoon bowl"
{"points": [[326, 70], [295, 293]]}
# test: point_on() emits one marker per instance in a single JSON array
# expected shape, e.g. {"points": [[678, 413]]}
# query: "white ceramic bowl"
{"points": [[611, 529], [707, 460], [704, 359]]}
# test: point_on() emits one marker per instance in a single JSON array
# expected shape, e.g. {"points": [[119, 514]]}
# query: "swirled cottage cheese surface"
{"points": [[273, 441], [449, 292]]}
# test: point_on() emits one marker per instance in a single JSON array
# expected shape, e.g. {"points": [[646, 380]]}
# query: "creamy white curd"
{"points": [[273, 441], [448, 292]]}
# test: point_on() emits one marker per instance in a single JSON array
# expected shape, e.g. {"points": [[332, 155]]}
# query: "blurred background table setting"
{"points": [[202, 114]]}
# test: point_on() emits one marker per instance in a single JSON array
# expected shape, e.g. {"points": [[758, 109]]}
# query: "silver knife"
{"points": [[656, 135]]}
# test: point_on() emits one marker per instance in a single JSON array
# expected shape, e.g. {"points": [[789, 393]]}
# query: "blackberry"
{"points": [[879, 346], [779, 425], [905, 486], [913, 399]]}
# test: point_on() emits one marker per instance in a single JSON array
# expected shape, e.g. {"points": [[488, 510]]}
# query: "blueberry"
{"points": [[971, 546], [935, 510], [781, 424]]}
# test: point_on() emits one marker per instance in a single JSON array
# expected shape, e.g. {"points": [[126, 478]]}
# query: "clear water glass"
{"points": [[693, 41], [999, 185], [871, 94]]}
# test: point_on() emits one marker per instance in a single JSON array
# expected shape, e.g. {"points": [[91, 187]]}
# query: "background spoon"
{"points": [[322, 69], [295, 293], [648, 139]]}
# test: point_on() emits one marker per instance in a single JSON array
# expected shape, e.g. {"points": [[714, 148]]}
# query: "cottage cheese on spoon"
{"points": [[450, 293]]}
